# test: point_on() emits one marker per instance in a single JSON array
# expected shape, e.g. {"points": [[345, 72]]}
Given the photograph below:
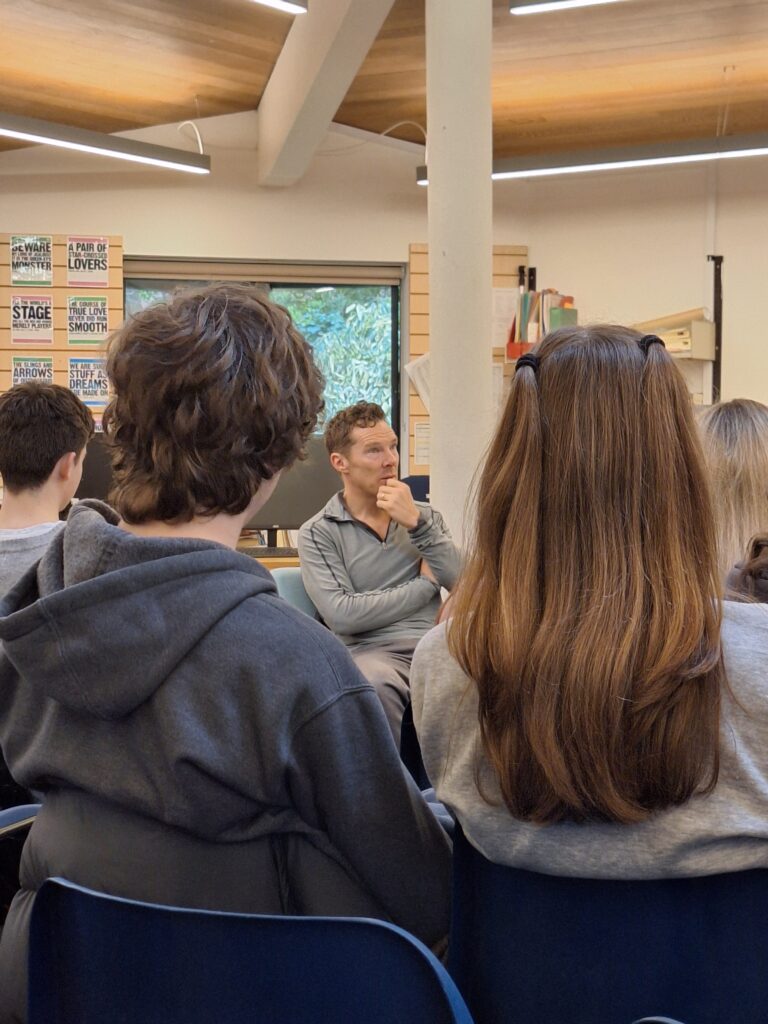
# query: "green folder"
{"points": [[560, 316]]}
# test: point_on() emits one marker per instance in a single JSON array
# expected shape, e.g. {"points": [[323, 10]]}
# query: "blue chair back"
{"points": [[419, 485], [96, 958], [290, 586], [528, 948]]}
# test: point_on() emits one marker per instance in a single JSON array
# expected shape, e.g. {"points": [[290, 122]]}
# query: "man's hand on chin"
{"points": [[395, 498]]}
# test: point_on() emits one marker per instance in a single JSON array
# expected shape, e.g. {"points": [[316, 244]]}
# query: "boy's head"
{"points": [[214, 393], [43, 427]]}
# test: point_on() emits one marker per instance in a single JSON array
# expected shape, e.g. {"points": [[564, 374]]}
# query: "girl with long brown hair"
{"points": [[574, 712]]}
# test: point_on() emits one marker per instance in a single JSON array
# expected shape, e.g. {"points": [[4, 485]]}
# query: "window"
{"points": [[350, 328], [350, 316]]}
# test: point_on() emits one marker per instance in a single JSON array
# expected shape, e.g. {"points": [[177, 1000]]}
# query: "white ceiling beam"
{"points": [[321, 56]]}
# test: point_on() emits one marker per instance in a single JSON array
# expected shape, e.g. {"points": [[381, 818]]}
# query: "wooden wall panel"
{"points": [[59, 350], [60, 297]]}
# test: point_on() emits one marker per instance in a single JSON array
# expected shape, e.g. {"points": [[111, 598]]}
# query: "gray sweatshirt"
{"points": [[726, 831], [21, 548], [368, 590]]}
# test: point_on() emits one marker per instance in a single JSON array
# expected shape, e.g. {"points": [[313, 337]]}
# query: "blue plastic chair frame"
{"points": [[14, 819], [96, 958], [14, 825], [528, 947], [291, 588]]}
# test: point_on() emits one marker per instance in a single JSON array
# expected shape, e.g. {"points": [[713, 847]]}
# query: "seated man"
{"points": [[197, 740], [374, 560], [44, 429]]}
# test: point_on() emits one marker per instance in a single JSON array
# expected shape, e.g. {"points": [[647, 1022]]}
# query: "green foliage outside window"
{"points": [[350, 330], [349, 327]]}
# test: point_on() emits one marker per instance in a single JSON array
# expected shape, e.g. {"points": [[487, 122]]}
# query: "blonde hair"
{"points": [[588, 615], [735, 440]]}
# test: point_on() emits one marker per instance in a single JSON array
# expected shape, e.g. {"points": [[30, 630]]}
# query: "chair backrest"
{"points": [[291, 587], [96, 958], [419, 485], [527, 947]]}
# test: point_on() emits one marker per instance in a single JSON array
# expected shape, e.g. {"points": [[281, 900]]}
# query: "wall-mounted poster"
{"points": [[26, 368], [31, 320], [87, 319], [88, 380], [87, 261], [31, 259]]}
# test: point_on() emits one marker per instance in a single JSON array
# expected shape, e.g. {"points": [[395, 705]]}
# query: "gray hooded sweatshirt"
{"points": [[199, 742]]}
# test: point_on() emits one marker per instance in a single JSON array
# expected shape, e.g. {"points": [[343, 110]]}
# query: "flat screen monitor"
{"points": [[97, 471], [301, 491]]}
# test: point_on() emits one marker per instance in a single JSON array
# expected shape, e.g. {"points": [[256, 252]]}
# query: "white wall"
{"points": [[628, 245], [358, 202], [632, 246]]}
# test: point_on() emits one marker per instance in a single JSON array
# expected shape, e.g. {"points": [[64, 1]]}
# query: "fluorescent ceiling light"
{"points": [[544, 6], [31, 129], [289, 6], [616, 158]]}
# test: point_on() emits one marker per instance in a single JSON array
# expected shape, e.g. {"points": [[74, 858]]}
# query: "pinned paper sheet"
{"points": [[497, 371], [421, 443], [418, 373], [504, 310]]}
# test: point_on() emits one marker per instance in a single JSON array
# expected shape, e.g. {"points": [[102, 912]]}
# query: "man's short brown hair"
{"points": [[339, 428], [215, 391], [38, 424]]}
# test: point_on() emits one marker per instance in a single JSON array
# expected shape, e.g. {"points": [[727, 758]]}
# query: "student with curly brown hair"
{"points": [[199, 742]]}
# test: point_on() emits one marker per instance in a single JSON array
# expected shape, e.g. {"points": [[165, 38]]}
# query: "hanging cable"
{"points": [[193, 126], [375, 135]]}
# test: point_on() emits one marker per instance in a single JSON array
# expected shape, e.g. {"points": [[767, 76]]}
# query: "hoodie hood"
{"points": [[102, 620]]}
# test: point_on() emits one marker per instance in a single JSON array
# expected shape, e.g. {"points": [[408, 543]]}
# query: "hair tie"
{"points": [[527, 360], [649, 339]]}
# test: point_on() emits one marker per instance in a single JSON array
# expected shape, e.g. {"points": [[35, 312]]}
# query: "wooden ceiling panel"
{"points": [[634, 72], [122, 64], [391, 85], [638, 71]]}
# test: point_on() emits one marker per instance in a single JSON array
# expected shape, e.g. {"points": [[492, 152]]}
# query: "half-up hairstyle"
{"points": [[588, 614], [214, 392]]}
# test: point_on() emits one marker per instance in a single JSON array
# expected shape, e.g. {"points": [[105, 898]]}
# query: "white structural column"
{"points": [[459, 156]]}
